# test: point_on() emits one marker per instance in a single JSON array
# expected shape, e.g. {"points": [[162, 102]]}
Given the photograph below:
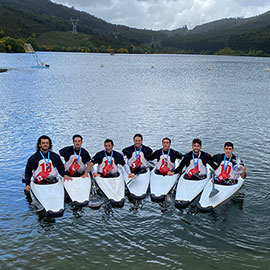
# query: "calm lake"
{"points": [[100, 96]]}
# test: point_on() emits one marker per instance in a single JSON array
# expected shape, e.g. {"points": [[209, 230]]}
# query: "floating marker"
{"points": [[101, 66], [267, 70]]}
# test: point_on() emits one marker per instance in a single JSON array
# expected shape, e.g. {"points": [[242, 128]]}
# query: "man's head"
{"points": [[108, 145], [166, 144], [138, 140], [228, 149], [77, 141], [44, 143], [196, 146]]}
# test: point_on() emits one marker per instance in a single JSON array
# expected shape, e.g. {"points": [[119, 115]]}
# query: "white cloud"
{"points": [[167, 14]]}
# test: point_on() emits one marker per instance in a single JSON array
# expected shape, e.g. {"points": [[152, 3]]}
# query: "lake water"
{"points": [[100, 96]]}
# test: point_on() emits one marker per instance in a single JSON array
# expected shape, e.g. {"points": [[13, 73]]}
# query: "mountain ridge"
{"points": [[20, 19]]}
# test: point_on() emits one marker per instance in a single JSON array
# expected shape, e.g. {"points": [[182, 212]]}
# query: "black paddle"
{"points": [[213, 191], [96, 201]]}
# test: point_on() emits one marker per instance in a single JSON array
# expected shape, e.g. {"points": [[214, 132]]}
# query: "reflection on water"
{"points": [[214, 98]]}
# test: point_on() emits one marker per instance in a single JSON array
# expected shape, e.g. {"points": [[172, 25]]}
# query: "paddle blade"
{"points": [[95, 202], [213, 193]]}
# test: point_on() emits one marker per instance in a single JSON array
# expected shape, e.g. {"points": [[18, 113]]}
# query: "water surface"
{"points": [[214, 98]]}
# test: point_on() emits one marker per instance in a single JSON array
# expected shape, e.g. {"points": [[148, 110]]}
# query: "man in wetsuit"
{"points": [[166, 157], [195, 162], [42, 164], [107, 161], [76, 157], [229, 167], [137, 155]]}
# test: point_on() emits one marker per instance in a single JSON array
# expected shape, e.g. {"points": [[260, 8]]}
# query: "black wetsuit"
{"points": [[101, 159], [187, 161], [69, 155], [219, 158], [35, 161], [159, 156], [229, 163], [144, 155], [173, 155]]}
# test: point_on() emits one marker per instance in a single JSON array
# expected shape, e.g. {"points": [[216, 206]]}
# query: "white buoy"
{"points": [[267, 70]]}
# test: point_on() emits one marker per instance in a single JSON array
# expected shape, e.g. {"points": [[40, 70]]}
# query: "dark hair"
{"points": [[166, 138], [197, 141], [109, 141], [138, 135], [46, 138], [228, 144], [76, 136]]}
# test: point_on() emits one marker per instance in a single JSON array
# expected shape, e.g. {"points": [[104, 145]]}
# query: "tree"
{"points": [[3, 47], [2, 33], [14, 45], [32, 41]]}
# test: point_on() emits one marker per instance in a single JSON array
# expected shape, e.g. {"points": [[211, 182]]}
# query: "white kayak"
{"points": [[113, 188], [50, 196], [78, 190], [211, 198], [137, 186], [187, 190], [161, 185]]}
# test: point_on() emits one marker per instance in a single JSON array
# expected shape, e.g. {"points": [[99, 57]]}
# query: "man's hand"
{"points": [[131, 175], [27, 188], [170, 173], [66, 177], [96, 175], [85, 175]]}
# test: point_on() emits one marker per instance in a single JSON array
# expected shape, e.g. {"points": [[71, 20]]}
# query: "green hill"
{"points": [[52, 28]]}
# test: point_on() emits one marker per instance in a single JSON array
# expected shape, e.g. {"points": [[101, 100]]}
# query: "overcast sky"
{"points": [[167, 14]]}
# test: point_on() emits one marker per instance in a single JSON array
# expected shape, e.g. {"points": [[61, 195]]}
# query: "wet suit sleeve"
{"points": [[128, 151], [97, 159], [182, 164], [61, 152], [60, 166], [148, 153], [86, 157], [178, 155], [210, 161], [124, 151], [28, 171], [119, 159], [153, 156]]}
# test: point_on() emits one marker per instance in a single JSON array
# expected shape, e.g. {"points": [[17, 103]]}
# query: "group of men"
{"points": [[42, 165]]}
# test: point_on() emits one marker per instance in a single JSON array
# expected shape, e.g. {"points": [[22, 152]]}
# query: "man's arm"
{"points": [[88, 169], [179, 155], [179, 168], [61, 168], [244, 172], [153, 156], [210, 161], [28, 173]]}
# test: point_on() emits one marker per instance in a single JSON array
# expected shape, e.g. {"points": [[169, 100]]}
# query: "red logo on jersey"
{"points": [[164, 169], [44, 173], [74, 167], [192, 172], [107, 168], [137, 163], [224, 174]]}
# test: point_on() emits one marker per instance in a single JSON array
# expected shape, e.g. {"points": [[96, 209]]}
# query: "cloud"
{"points": [[167, 14]]}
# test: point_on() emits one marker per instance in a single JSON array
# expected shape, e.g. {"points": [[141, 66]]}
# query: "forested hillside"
{"points": [[48, 27]]}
